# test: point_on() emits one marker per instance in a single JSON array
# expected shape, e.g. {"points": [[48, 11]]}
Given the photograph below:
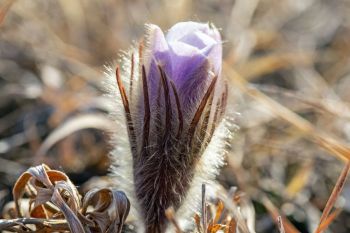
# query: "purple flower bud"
{"points": [[190, 56], [174, 98]]}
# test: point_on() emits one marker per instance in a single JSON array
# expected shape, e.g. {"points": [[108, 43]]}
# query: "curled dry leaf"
{"points": [[55, 205], [40, 182], [110, 209]]}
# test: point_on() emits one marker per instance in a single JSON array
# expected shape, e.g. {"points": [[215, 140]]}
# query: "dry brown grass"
{"points": [[288, 64]]}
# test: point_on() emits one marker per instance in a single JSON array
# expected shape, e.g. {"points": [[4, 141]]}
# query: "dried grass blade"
{"points": [[288, 226], [280, 224], [204, 209], [197, 220], [219, 209], [41, 224], [329, 219], [231, 206], [4, 10], [216, 227], [170, 214], [270, 63], [300, 179], [341, 150], [231, 226], [95, 121], [334, 195]]}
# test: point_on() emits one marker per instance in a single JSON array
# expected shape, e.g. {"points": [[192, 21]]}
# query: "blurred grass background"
{"points": [[296, 52]]}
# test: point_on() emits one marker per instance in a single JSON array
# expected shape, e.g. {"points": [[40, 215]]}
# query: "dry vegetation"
{"points": [[289, 67]]}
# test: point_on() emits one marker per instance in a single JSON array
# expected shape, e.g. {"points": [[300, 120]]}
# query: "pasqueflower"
{"points": [[173, 97]]}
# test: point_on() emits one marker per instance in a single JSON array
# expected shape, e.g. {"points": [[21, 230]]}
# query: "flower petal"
{"points": [[182, 29], [189, 71], [198, 39], [157, 53], [214, 56], [202, 36]]}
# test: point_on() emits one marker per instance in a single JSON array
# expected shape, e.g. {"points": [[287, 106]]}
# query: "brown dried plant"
{"points": [[56, 206]]}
